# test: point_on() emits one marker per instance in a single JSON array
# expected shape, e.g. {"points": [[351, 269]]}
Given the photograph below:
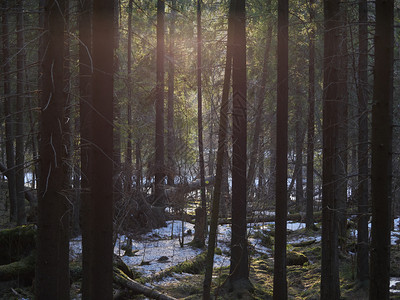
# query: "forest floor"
{"points": [[159, 261]]}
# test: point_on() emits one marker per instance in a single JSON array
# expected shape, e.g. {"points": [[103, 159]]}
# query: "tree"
{"points": [[310, 122], [239, 269], [19, 139], [221, 152], [8, 112], [363, 189], [200, 115], [331, 98], [280, 283], [159, 146], [381, 147], [52, 272], [85, 104], [101, 153], [171, 92]]}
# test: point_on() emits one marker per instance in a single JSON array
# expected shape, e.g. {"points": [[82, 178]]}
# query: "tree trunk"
{"points": [[101, 159], [171, 100], [8, 112], [85, 104], [52, 273], [19, 139], [280, 282], [128, 160], [310, 123], [200, 114], [381, 142], [221, 152], [331, 98], [239, 269], [159, 145], [363, 189]]}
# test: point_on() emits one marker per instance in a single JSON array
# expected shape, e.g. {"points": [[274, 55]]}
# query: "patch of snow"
{"points": [[395, 281]]}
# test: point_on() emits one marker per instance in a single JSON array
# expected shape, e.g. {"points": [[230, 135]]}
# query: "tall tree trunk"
{"points": [[363, 189], [331, 97], [200, 115], [239, 269], [259, 110], [101, 159], [171, 92], [221, 151], [342, 141], [310, 122], [52, 271], [280, 282], [8, 112], [298, 173], [85, 104], [19, 138], [159, 157], [381, 142], [128, 160]]}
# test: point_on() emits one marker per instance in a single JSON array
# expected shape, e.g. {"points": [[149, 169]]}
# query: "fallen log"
{"points": [[123, 280]]}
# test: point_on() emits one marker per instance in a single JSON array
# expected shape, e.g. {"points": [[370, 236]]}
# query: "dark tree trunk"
{"points": [[85, 104], [363, 189], [342, 140], [19, 138], [52, 273], [331, 97], [221, 152], [200, 113], [171, 100], [298, 173], [239, 269], [310, 123], [381, 142], [159, 145], [128, 160], [8, 112], [101, 159], [280, 282]]}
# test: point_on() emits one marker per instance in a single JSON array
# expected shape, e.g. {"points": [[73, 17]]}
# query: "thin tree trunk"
{"points": [[280, 282], [200, 113], [52, 273], [159, 157], [171, 88], [221, 151], [19, 138], [8, 112], [259, 110], [128, 160], [310, 123], [363, 189], [381, 142]]}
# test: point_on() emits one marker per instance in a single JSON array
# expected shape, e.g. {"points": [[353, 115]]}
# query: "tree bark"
{"points": [[280, 281], [331, 98], [381, 147], [363, 189], [52, 273], [310, 122], [19, 138], [101, 154], [8, 112], [159, 145], [85, 104], [200, 114]]}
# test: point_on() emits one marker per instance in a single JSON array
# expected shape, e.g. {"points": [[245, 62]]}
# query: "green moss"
{"points": [[16, 243]]}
